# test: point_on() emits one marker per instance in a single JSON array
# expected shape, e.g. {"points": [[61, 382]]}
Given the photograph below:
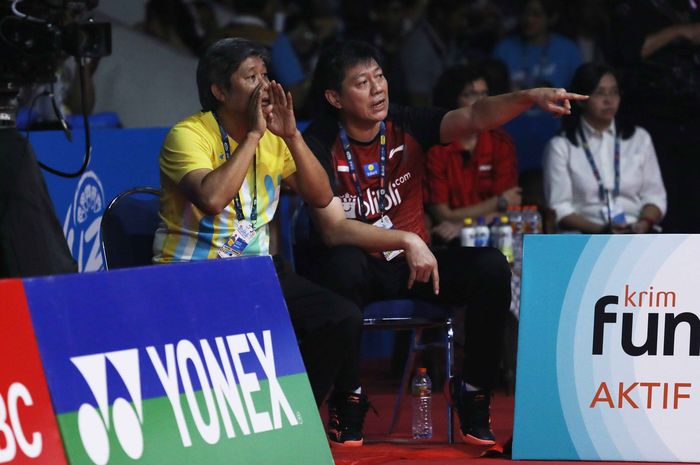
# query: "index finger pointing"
{"points": [[436, 281]]}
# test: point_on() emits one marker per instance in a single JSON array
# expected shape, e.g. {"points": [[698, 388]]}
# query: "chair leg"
{"points": [[449, 359], [405, 377]]}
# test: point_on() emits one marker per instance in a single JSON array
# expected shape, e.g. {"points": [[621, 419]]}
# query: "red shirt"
{"points": [[409, 132], [458, 180]]}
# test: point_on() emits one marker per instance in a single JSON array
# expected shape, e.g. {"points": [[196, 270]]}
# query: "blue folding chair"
{"points": [[128, 226], [393, 315]]}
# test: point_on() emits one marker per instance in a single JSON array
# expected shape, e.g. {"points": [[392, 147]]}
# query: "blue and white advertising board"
{"points": [[609, 348], [121, 159]]}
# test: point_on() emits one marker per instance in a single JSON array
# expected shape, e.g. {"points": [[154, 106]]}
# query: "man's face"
{"points": [[251, 73], [364, 93]]}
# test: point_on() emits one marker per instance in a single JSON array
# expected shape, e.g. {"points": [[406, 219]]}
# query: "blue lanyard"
{"points": [[237, 199], [353, 172], [596, 173]]}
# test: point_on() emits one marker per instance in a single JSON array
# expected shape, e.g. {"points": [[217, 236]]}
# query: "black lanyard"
{"points": [[353, 172], [237, 199], [596, 173]]}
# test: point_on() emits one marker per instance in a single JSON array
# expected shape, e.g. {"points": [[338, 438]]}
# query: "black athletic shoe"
{"points": [[473, 409], [346, 415]]}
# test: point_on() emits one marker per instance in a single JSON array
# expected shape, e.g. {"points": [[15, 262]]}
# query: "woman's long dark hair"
{"points": [[585, 80]]}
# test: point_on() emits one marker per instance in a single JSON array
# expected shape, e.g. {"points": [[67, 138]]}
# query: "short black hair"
{"points": [[451, 82], [219, 61], [586, 78], [332, 64]]}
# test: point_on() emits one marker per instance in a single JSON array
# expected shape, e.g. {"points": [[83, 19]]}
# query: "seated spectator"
{"points": [[476, 175], [221, 173], [601, 173], [535, 57], [376, 245]]}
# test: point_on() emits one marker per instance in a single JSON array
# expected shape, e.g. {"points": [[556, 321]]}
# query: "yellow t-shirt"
{"points": [[186, 233]]}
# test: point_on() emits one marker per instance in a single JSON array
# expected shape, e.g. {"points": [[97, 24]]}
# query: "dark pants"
{"points": [[478, 278], [328, 328]]}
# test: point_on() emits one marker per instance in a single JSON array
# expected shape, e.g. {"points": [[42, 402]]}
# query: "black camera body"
{"points": [[37, 35]]}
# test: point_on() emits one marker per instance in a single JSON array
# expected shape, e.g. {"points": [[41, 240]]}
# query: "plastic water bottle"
{"points": [[516, 222], [421, 389], [482, 233], [493, 231], [468, 234], [505, 238]]}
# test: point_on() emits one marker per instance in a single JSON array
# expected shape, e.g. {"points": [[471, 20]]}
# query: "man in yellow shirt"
{"points": [[221, 174]]}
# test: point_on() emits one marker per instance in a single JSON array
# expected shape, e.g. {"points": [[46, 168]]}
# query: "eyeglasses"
{"points": [[612, 93], [471, 94]]}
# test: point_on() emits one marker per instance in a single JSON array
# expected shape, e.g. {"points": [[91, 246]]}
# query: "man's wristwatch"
{"points": [[502, 203]]}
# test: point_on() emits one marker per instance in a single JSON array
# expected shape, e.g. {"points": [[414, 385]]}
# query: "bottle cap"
{"points": [[467, 221], [422, 371], [504, 219]]}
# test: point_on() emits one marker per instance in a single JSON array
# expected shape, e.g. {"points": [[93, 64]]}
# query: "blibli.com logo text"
{"points": [[370, 207], [216, 366]]}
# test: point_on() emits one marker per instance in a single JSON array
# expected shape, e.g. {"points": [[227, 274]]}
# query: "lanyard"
{"points": [[596, 173], [353, 172], [237, 199]]}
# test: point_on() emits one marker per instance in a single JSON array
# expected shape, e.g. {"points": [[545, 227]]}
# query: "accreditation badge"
{"points": [[239, 240], [385, 223], [617, 214]]}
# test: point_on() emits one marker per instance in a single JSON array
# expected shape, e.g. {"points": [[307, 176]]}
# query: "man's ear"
{"points": [[333, 97], [217, 92]]}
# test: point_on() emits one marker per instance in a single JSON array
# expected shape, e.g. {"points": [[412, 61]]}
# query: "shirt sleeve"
{"points": [[183, 151], [436, 176], [422, 123], [558, 190], [320, 145], [653, 191], [505, 162]]}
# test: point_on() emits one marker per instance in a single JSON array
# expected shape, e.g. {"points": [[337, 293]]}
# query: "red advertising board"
{"points": [[28, 430]]}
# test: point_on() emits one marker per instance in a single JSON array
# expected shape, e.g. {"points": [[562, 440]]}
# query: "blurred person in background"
{"points": [[476, 175], [601, 175], [535, 57], [658, 48]]}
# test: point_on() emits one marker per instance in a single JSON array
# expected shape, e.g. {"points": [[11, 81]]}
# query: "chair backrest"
{"points": [[128, 227]]}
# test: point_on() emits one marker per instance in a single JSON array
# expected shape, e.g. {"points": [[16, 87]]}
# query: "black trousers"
{"points": [[328, 328], [478, 278]]}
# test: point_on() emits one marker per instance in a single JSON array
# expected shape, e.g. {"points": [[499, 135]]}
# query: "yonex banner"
{"points": [[609, 348], [28, 430], [176, 364]]}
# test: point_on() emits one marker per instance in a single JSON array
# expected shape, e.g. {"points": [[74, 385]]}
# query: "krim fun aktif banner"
{"points": [[609, 349], [176, 364]]}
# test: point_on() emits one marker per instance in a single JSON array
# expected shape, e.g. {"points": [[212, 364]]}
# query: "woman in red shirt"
{"points": [[473, 176]]}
